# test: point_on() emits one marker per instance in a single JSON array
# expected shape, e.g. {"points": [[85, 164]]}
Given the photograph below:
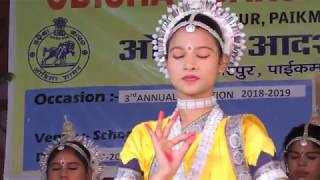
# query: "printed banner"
{"points": [[107, 114]]}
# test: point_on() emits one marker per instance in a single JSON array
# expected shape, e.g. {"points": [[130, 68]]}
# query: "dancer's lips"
{"points": [[190, 78], [301, 173]]}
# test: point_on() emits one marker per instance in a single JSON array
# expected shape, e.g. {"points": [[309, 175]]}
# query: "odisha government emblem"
{"points": [[59, 52]]}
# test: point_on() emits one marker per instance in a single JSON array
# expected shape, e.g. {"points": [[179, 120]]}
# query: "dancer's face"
{"points": [[67, 166], [194, 63], [303, 161]]}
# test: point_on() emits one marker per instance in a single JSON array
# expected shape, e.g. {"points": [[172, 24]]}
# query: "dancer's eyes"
{"points": [[177, 53], [293, 155], [55, 167]]}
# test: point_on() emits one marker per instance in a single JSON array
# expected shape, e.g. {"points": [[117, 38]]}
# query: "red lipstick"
{"points": [[190, 78]]}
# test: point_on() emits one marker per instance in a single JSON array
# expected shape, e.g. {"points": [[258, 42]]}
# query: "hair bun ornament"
{"points": [[97, 156], [233, 42]]}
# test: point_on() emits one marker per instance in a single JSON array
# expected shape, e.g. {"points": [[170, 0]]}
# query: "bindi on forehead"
{"points": [[297, 147], [62, 162]]}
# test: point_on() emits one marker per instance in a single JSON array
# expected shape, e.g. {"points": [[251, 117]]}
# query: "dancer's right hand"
{"points": [[168, 159]]}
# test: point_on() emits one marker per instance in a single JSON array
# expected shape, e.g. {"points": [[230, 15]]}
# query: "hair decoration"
{"points": [[315, 116], [234, 40], [95, 162]]}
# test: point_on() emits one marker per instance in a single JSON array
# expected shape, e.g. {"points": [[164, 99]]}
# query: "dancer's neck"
{"points": [[188, 116]]}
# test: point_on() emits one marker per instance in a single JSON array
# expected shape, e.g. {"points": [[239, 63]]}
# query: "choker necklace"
{"points": [[196, 103]]}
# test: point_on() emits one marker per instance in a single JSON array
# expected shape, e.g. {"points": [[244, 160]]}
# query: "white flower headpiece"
{"points": [[67, 140], [232, 42]]}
